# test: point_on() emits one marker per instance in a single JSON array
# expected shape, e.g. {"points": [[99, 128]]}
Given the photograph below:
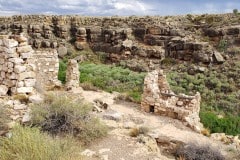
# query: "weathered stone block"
{"points": [[29, 82], [26, 55], [16, 60], [10, 43], [25, 75], [24, 49], [25, 90], [19, 68], [3, 90]]}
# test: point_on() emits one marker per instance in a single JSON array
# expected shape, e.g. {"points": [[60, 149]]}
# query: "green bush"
{"points": [[62, 71], [111, 78], [219, 92], [28, 143], [228, 124], [62, 115], [222, 46], [195, 152]]}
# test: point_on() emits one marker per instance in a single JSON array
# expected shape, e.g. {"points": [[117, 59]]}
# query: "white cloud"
{"points": [[115, 7]]}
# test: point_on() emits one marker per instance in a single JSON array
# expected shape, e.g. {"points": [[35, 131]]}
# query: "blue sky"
{"points": [[117, 7]]}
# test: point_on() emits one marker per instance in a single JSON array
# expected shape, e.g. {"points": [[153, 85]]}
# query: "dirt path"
{"points": [[121, 146]]}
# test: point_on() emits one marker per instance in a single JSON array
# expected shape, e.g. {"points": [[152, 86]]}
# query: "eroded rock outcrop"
{"points": [[159, 99], [131, 41]]}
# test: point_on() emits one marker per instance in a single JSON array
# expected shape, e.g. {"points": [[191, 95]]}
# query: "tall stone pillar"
{"points": [[72, 74]]}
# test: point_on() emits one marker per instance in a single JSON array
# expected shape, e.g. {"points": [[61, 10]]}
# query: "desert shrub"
{"points": [[62, 115], [168, 61], [206, 132], [134, 132], [4, 118], [196, 152], [222, 46], [143, 130], [23, 98], [28, 143], [88, 86], [62, 71], [112, 78]]}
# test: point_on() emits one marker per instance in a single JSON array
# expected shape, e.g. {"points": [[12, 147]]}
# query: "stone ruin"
{"points": [[47, 65], [159, 99], [72, 74], [16, 66], [26, 73]]}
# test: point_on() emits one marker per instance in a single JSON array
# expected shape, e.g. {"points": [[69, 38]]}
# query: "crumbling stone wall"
{"points": [[72, 74], [47, 66], [159, 99], [16, 68]]}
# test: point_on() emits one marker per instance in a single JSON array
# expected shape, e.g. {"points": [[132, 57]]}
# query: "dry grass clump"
{"points": [[134, 132], [206, 132], [4, 119], [28, 143], [88, 86]]}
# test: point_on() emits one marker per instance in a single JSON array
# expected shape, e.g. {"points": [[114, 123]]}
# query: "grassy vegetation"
{"points": [[29, 143], [112, 78], [4, 118], [64, 116], [220, 94], [227, 124], [62, 71]]}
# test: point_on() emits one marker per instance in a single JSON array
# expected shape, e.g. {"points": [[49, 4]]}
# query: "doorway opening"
{"points": [[151, 109]]}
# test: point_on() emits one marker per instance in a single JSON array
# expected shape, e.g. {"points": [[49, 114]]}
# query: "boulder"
{"points": [[36, 99], [26, 117], [218, 57], [113, 115], [10, 43], [62, 51], [127, 44], [149, 142]]}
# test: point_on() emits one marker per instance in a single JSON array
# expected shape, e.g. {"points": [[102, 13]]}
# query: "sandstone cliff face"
{"points": [[132, 41]]}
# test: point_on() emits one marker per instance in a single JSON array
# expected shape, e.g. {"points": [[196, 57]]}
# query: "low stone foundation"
{"points": [[159, 99]]}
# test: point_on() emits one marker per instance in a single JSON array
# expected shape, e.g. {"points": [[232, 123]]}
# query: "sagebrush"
{"points": [[193, 151], [62, 115]]}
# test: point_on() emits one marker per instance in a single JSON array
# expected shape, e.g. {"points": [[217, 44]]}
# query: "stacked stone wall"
{"points": [[16, 67], [47, 66]]}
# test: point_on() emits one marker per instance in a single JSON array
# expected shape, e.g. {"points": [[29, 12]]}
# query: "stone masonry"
{"points": [[72, 74], [16, 68], [47, 65], [159, 99]]}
